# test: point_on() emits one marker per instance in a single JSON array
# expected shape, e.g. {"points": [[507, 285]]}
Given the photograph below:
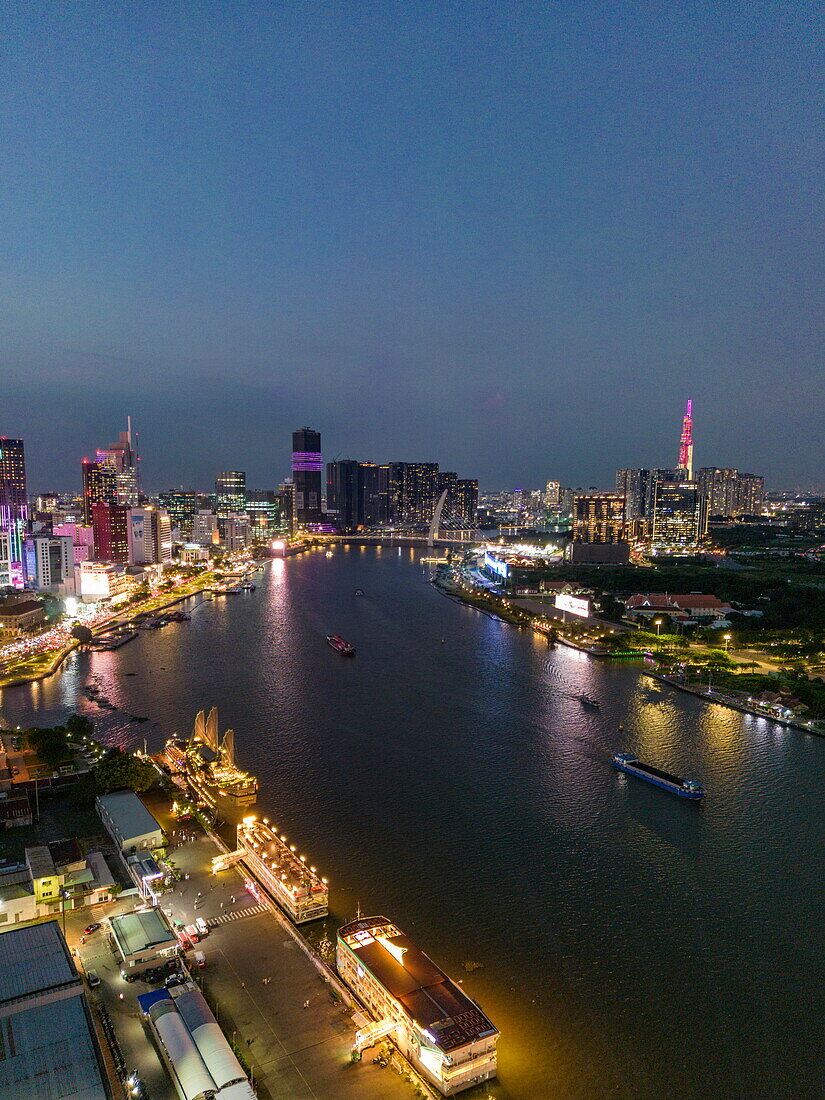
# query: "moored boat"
{"points": [[684, 788], [341, 645]]}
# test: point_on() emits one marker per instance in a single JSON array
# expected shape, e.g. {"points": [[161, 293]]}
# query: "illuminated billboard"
{"points": [[496, 565], [576, 605]]}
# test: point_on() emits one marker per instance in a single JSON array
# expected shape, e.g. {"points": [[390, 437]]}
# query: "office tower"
{"points": [[48, 562], [552, 494], [686, 444], [633, 485], [376, 493], [150, 536], [123, 459], [307, 465], [679, 513], [286, 506], [466, 505], [230, 495], [205, 528], [181, 504], [518, 501], [14, 507], [110, 523], [99, 486], [263, 513], [345, 494], [599, 518]]}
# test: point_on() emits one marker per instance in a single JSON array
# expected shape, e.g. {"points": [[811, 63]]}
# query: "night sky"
{"points": [[509, 237]]}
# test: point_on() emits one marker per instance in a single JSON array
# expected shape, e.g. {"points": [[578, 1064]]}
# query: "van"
{"points": [[200, 959], [92, 979], [202, 926]]}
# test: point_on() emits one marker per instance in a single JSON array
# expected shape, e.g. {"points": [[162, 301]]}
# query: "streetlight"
{"points": [[658, 624], [727, 638]]}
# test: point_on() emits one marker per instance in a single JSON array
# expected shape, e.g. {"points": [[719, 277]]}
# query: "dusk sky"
{"points": [[509, 237]]}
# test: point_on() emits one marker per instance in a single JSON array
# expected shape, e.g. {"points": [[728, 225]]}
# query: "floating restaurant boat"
{"points": [[341, 645], [281, 872], [445, 1036], [685, 788], [207, 765]]}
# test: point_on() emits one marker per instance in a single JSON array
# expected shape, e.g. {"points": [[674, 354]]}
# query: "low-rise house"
{"points": [[54, 877], [692, 606]]}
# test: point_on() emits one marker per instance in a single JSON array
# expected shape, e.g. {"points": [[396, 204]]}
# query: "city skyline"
{"points": [[497, 236]]}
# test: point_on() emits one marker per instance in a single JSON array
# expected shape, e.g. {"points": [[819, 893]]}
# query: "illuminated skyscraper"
{"points": [[307, 464], [230, 495], [679, 514], [686, 443], [99, 486], [14, 509], [111, 523], [123, 458], [599, 518]]}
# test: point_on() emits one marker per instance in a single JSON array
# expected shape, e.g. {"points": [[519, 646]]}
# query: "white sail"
{"points": [[228, 748], [198, 733], [212, 735]]}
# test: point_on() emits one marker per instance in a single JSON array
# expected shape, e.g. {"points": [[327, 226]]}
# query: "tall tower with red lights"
{"points": [[686, 443]]}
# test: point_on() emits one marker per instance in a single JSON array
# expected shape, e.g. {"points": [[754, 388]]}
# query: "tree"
{"points": [[51, 745], [82, 633], [79, 726], [121, 771]]}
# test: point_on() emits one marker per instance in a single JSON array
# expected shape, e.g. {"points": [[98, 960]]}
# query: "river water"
{"points": [[627, 944]]}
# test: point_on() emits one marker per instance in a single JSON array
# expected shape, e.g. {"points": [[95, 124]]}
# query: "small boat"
{"points": [[341, 645], [235, 590], [358, 592], [328, 554], [685, 788], [248, 587], [588, 703]]}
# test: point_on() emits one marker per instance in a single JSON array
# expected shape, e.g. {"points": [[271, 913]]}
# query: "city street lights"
{"points": [[727, 638], [658, 624]]}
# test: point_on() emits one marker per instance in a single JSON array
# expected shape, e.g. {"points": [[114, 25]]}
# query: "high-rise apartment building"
{"points": [[633, 485], [14, 508], [679, 514], [205, 528], [730, 493], [307, 465], [376, 493], [466, 504], [599, 518], [552, 494], [413, 492], [99, 486], [110, 523], [286, 506]]}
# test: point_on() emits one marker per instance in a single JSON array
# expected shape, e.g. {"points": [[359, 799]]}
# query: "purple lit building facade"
{"points": [[14, 507], [307, 466]]}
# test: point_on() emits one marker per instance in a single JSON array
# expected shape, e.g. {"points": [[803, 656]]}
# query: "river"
{"points": [[627, 944]]}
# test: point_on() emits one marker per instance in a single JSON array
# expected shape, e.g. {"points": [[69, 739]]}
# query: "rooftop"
{"points": [[135, 932], [34, 959], [130, 816], [432, 1000]]}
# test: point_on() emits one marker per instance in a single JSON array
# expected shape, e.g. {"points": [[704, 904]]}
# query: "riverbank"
{"points": [[500, 608], [47, 664]]}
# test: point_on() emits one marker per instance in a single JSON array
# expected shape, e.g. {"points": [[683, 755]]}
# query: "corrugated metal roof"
{"points": [[135, 932], [130, 816], [34, 958], [47, 1051]]}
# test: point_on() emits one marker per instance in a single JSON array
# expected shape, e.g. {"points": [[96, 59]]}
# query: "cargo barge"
{"points": [[341, 645], [684, 788]]}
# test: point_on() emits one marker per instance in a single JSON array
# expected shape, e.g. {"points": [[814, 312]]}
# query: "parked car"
{"points": [[91, 928], [202, 926], [200, 959], [92, 979]]}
